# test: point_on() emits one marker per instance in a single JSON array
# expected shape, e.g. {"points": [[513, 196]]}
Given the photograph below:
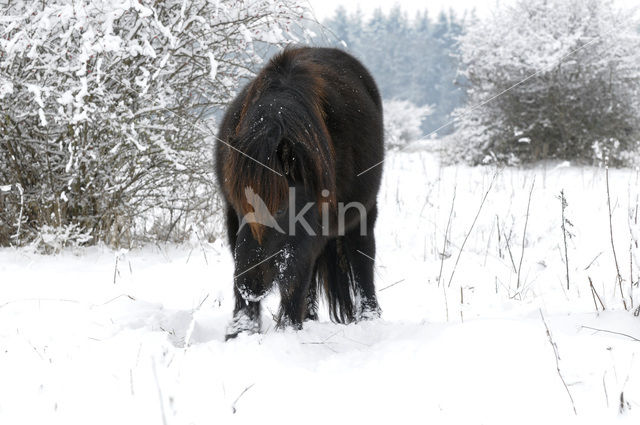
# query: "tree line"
{"points": [[413, 58]]}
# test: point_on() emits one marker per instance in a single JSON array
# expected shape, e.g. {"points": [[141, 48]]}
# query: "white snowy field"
{"points": [[95, 336]]}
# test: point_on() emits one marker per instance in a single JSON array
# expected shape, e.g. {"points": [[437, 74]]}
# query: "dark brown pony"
{"points": [[290, 147]]}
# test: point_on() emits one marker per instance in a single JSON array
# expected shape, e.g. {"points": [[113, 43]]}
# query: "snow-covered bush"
{"points": [[106, 106], [611, 152], [402, 122], [51, 240], [553, 78]]}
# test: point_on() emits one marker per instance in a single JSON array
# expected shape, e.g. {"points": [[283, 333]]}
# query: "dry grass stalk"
{"points": [[613, 246], [557, 357], [484, 198], [524, 233]]}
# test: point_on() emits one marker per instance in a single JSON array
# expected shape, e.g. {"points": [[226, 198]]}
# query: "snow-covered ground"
{"points": [[95, 336]]}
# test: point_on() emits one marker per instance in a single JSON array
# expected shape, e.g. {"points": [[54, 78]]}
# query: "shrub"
{"points": [[555, 78], [402, 122], [106, 108]]}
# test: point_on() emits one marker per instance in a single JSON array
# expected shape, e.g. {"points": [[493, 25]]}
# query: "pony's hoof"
{"points": [[311, 318], [285, 323], [240, 323], [369, 312], [234, 335]]}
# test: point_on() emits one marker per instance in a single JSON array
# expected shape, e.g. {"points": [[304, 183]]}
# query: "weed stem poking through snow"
{"points": [[484, 198], [564, 204], [233, 406], [446, 235], [595, 295], [524, 233], [612, 332], [557, 357], [613, 246]]}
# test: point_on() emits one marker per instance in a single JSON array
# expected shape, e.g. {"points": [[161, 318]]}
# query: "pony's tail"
{"points": [[334, 275]]}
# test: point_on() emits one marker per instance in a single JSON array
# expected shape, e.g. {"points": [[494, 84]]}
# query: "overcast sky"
{"points": [[325, 8]]}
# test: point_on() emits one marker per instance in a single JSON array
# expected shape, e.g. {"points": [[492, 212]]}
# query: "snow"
{"points": [[6, 87], [98, 336], [213, 63], [37, 94], [66, 98], [43, 118], [245, 33]]}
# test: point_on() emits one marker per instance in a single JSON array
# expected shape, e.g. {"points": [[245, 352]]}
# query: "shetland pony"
{"points": [[298, 216]]}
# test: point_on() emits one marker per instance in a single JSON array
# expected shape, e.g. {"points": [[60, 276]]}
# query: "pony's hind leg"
{"points": [[312, 302], [362, 257]]}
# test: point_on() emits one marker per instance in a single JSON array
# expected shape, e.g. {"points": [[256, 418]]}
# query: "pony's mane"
{"points": [[281, 138]]}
